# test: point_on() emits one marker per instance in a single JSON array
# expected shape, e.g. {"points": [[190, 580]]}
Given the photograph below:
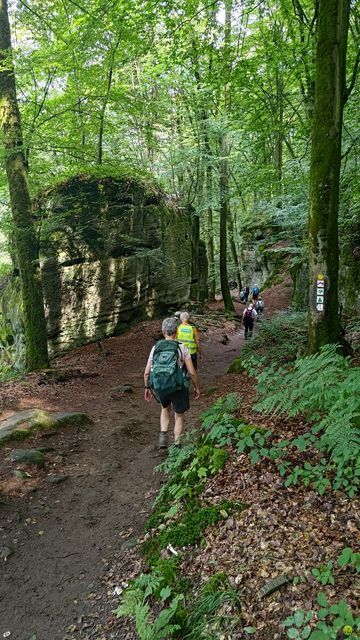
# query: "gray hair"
{"points": [[169, 326], [184, 316]]}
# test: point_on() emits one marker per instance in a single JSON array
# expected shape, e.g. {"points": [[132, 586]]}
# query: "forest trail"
{"points": [[64, 535]]}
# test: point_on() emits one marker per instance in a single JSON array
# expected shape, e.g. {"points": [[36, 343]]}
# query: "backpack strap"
{"points": [[167, 345]]}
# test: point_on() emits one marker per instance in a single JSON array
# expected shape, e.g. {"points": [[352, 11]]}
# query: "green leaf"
{"points": [[202, 472], [292, 633], [318, 635], [288, 622], [172, 511], [321, 599], [343, 608], [344, 556], [165, 593], [250, 630], [254, 456], [299, 617]]}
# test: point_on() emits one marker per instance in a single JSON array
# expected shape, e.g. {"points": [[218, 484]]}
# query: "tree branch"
{"points": [[43, 20], [349, 89]]}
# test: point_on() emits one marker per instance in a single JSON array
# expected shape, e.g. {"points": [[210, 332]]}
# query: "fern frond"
{"points": [[326, 389]]}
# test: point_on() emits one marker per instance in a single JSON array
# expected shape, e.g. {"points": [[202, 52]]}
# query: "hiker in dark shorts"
{"points": [[169, 358], [248, 318]]}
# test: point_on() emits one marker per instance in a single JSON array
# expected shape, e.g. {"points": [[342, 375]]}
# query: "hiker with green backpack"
{"points": [[166, 377]]}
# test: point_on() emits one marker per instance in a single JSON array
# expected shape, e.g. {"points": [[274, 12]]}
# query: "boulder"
{"points": [[123, 388], [30, 456], [55, 479], [24, 423], [69, 418]]}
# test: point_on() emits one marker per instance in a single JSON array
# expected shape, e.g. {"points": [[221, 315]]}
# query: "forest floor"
{"points": [[74, 543], [64, 537]]}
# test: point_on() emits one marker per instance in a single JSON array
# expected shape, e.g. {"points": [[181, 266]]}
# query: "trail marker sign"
{"points": [[320, 292]]}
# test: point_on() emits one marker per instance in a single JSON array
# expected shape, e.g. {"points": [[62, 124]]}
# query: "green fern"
{"points": [[326, 389]]}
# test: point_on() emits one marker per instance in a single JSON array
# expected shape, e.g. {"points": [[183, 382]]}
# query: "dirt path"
{"points": [[64, 535]]}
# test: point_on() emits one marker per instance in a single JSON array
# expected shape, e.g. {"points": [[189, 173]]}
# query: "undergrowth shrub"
{"points": [[188, 469], [326, 390], [333, 622], [206, 619], [281, 338], [225, 429]]}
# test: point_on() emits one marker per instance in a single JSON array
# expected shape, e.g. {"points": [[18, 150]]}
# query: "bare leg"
{"points": [[179, 427], [165, 418]]}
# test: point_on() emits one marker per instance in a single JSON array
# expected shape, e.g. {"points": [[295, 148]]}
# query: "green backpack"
{"points": [[166, 377]]}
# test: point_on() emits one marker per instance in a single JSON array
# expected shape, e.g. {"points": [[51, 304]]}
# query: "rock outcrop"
{"points": [[112, 250], [265, 254]]}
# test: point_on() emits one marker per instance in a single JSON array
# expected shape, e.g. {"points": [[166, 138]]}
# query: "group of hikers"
{"points": [[173, 362]]}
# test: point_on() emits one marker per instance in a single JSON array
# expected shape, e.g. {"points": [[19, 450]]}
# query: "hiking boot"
{"points": [[163, 440]]}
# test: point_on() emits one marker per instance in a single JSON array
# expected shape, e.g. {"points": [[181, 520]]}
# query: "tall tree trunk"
{"points": [[224, 212], [224, 167], [279, 135], [195, 239], [24, 231], [233, 250], [325, 172], [210, 234]]}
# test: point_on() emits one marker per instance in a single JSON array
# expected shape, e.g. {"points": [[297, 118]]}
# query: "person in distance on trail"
{"points": [[248, 318], [255, 292], [244, 294], [166, 378], [259, 306], [188, 335]]}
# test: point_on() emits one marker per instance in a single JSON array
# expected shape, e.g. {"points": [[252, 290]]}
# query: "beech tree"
{"points": [[23, 227], [330, 83]]}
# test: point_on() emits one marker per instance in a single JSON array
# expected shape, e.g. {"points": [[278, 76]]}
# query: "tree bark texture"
{"points": [[224, 167], [325, 171], [210, 235], [224, 212], [195, 239], [233, 250], [24, 230]]}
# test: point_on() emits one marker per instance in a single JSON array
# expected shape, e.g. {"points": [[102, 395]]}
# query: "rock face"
{"points": [[112, 250], [264, 255]]}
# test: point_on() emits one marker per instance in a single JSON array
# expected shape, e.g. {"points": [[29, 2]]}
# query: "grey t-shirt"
{"points": [[184, 351]]}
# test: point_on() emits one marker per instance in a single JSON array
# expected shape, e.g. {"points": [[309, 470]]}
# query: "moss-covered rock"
{"points": [[265, 253], [24, 423]]}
